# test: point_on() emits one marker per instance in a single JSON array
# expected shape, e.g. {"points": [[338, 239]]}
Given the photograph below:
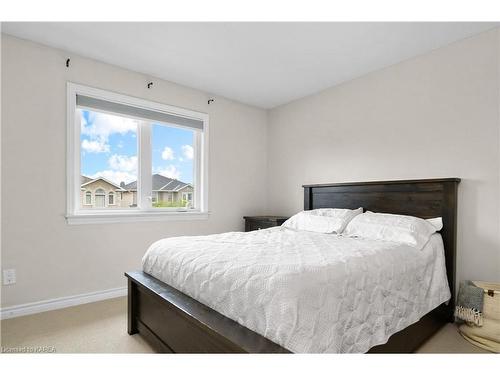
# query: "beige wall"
{"points": [[433, 116], [54, 259]]}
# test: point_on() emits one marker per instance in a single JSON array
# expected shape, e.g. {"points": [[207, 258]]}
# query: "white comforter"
{"points": [[308, 292]]}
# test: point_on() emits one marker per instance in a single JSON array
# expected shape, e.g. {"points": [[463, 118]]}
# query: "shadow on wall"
{"points": [[477, 244]]}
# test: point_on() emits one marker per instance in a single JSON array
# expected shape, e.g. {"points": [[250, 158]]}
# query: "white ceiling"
{"points": [[262, 64]]}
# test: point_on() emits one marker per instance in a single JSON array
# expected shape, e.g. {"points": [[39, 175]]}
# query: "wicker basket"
{"points": [[487, 336]]}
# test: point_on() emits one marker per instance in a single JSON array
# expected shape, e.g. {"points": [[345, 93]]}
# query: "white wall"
{"points": [[54, 259], [433, 116]]}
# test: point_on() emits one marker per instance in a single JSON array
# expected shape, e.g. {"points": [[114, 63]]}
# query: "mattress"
{"points": [[308, 292]]}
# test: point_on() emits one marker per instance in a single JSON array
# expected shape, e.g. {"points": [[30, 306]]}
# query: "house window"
{"points": [[145, 151], [88, 198]]}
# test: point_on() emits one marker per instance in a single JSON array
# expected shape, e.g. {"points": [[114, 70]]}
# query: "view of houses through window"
{"points": [[109, 163]]}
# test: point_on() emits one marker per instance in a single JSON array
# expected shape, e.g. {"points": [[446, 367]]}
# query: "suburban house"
{"points": [[167, 192], [102, 193]]}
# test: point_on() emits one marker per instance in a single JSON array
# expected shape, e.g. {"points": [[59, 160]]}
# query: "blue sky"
{"points": [[109, 148]]}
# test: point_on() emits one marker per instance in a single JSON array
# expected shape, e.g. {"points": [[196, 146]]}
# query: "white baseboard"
{"points": [[60, 303]]}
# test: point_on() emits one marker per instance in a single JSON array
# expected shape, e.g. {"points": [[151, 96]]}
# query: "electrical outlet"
{"points": [[9, 276]]}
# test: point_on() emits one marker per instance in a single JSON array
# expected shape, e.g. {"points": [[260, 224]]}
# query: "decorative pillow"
{"points": [[404, 229], [323, 220]]}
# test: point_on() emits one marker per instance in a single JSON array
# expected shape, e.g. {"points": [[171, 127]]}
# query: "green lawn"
{"points": [[179, 203]]}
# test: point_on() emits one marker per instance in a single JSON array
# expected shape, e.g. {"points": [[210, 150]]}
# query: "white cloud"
{"points": [[122, 168], [188, 151], [167, 154], [100, 126], [123, 163], [169, 171], [95, 146], [116, 176]]}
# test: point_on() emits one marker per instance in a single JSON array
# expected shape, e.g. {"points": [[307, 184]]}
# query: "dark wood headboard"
{"points": [[421, 198]]}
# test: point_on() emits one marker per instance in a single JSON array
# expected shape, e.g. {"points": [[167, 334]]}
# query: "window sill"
{"points": [[133, 217]]}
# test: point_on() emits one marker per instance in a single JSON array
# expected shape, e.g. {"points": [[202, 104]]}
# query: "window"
{"points": [[148, 153], [88, 198]]}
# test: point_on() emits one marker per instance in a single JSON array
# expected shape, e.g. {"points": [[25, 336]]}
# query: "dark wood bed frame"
{"points": [[172, 322]]}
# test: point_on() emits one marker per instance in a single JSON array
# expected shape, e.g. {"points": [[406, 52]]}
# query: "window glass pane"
{"points": [[108, 161], [172, 162], [88, 197]]}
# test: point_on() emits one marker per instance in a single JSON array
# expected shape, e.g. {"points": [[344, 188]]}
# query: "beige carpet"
{"points": [[101, 327]]}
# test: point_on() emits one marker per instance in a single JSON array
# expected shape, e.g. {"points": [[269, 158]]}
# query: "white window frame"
{"points": [[144, 210]]}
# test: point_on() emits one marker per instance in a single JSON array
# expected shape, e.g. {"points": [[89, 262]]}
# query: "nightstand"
{"points": [[262, 222]]}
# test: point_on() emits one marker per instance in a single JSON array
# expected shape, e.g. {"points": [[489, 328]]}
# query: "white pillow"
{"points": [[323, 220], [404, 229], [437, 222]]}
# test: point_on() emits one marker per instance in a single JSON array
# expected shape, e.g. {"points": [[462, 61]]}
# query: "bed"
{"points": [[172, 321]]}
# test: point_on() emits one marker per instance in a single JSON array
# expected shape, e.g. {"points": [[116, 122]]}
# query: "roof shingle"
{"points": [[161, 183], [84, 179]]}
